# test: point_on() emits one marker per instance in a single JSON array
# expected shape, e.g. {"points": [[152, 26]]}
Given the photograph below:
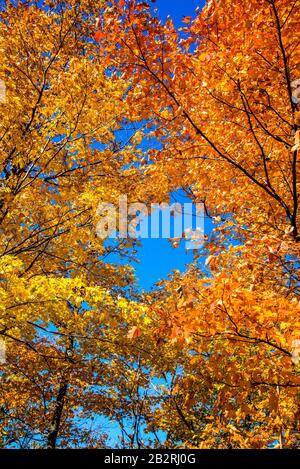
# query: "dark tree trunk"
{"points": [[55, 424], [60, 399]]}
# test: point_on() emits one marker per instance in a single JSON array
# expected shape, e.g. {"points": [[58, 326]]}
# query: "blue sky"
{"points": [[177, 9], [157, 257]]}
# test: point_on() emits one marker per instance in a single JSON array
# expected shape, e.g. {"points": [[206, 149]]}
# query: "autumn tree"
{"points": [[94, 92], [222, 98], [66, 136]]}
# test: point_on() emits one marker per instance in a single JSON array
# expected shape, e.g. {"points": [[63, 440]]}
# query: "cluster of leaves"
{"points": [[210, 359], [65, 140], [220, 96]]}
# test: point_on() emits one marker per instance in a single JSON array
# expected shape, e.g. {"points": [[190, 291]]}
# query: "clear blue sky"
{"points": [[157, 257], [177, 9]]}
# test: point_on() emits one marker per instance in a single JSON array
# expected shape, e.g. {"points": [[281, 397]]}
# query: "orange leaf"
{"points": [[98, 36]]}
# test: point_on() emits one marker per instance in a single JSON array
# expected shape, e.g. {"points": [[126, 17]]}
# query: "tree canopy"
{"points": [[94, 92]]}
